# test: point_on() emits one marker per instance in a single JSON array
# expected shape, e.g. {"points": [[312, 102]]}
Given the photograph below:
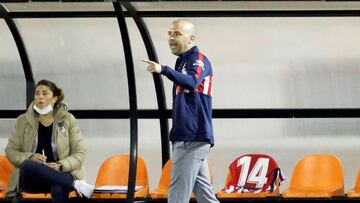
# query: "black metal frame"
{"points": [[159, 87], [132, 100], [30, 82], [162, 113], [188, 13], [217, 113]]}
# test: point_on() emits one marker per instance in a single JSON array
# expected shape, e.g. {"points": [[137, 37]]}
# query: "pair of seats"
{"points": [[113, 171], [161, 191], [315, 176], [5, 171]]}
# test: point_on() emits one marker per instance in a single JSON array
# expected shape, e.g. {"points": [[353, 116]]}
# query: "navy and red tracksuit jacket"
{"points": [[192, 105]]}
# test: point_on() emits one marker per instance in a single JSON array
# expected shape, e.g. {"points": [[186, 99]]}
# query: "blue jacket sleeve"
{"points": [[197, 69]]}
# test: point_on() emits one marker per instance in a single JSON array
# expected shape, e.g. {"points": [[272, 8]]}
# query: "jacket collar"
{"points": [[188, 52], [59, 113]]}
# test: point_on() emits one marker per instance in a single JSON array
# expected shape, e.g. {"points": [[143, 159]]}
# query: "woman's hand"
{"points": [[54, 166], [38, 158]]}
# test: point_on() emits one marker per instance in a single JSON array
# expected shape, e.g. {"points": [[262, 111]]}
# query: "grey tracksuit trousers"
{"points": [[190, 172]]}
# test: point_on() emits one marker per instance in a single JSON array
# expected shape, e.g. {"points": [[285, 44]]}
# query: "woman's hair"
{"points": [[57, 92]]}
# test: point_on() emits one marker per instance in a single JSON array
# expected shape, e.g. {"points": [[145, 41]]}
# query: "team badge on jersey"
{"points": [[199, 63], [61, 127]]}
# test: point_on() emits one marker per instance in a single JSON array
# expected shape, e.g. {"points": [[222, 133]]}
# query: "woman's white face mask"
{"points": [[47, 109]]}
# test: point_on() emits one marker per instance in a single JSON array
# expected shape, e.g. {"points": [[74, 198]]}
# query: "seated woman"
{"points": [[47, 148]]}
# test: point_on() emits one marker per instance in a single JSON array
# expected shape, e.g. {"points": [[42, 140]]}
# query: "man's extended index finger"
{"points": [[146, 61]]}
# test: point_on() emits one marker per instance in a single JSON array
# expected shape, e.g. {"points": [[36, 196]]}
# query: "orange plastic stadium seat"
{"points": [[5, 171], [26, 195], [2, 189], [269, 168], [161, 192], [316, 176], [355, 192], [115, 171]]}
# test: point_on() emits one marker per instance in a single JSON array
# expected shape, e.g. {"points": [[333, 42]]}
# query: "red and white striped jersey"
{"points": [[253, 173], [198, 70], [192, 97]]}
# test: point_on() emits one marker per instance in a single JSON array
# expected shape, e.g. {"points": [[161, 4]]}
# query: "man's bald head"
{"points": [[187, 26], [181, 36]]}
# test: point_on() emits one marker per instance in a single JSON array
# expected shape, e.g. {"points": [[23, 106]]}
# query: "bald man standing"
{"points": [[191, 133]]}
